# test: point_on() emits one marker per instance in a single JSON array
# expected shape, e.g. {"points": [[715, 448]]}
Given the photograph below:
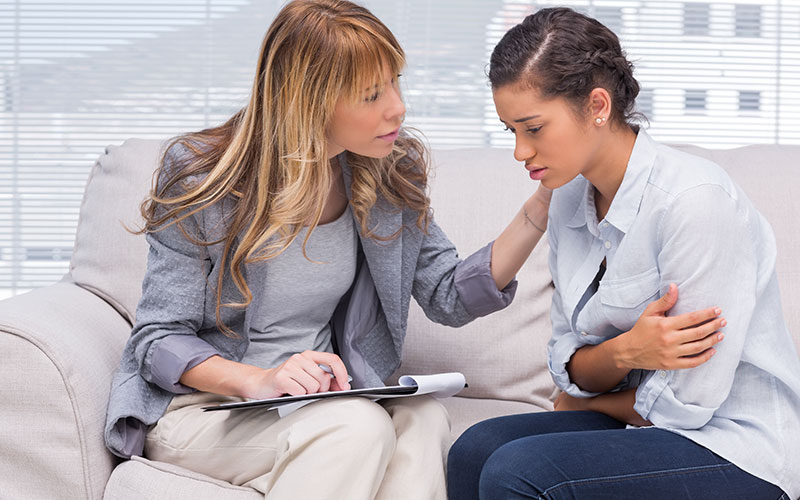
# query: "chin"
{"points": [[555, 183], [374, 152]]}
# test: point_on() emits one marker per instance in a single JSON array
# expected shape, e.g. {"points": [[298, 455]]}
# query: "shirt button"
{"points": [[603, 225], [607, 244], [584, 334], [662, 373]]}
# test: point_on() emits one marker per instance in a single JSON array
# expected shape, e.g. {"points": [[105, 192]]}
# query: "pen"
{"points": [[327, 369]]}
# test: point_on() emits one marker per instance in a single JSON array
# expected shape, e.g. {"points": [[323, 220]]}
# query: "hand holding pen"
{"points": [[308, 372]]}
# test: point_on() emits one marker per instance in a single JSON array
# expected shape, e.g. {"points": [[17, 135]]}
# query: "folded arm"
{"points": [[617, 405], [656, 342], [708, 247]]}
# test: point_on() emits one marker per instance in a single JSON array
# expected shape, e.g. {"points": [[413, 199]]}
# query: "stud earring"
{"points": [[599, 120]]}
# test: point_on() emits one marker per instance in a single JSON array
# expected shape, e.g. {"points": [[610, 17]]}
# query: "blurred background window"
{"points": [[76, 76]]}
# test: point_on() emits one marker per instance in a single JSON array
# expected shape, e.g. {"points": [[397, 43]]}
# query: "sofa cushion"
{"points": [[475, 193], [108, 259], [141, 478]]}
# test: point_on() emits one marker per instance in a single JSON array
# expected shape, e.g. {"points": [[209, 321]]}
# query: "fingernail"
{"points": [[720, 336], [717, 311], [713, 351], [723, 322]]}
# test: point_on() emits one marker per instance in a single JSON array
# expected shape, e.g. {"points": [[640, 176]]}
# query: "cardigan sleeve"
{"points": [[452, 291], [164, 338]]}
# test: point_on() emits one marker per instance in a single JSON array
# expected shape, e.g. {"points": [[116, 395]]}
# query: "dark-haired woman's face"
{"points": [[550, 138]]}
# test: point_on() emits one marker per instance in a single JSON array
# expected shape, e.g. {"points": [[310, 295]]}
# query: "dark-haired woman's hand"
{"points": [[661, 342], [565, 402]]}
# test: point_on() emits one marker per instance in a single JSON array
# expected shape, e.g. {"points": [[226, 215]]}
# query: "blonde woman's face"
{"points": [[370, 126]]}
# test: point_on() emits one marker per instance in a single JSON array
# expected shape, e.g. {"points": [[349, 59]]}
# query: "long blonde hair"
{"points": [[271, 157]]}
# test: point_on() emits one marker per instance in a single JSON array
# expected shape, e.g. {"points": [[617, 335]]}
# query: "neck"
{"points": [[609, 165]]}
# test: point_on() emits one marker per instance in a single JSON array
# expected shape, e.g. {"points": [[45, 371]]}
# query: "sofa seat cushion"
{"points": [[464, 412], [140, 478]]}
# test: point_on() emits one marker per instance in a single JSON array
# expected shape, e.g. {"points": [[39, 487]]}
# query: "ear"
{"points": [[599, 106]]}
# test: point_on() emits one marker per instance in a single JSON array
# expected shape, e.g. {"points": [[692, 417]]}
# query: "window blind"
{"points": [[78, 75]]}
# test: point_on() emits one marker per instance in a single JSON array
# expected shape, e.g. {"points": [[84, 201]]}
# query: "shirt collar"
{"points": [[626, 202]]}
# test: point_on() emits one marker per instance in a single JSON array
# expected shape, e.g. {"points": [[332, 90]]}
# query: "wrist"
{"points": [[251, 382], [590, 404], [532, 214], [617, 352]]}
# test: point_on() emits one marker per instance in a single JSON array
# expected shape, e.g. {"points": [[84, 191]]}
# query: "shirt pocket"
{"points": [[624, 299]]}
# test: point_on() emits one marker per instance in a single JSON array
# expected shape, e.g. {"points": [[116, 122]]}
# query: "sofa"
{"points": [[61, 343]]}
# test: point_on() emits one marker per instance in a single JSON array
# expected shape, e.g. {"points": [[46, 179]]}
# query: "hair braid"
{"points": [[562, 53]]}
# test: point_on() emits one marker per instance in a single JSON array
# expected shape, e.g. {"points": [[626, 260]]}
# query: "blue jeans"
{"points": [[586, 455]]}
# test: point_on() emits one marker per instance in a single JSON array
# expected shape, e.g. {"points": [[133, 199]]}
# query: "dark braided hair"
{"points": [[562, 53]]}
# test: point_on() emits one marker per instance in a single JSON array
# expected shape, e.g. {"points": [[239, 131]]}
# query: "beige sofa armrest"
{"points": [[60, 345]]}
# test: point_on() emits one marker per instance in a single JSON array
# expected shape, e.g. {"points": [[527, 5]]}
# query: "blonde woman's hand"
{"points": [[537, 207], [300, 374], [661, 342]]}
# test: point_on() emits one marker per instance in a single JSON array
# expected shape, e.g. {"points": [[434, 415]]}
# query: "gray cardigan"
{"points": [[175, 326]]}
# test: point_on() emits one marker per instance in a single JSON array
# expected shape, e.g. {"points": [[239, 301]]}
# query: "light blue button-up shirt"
{"points": [[677, 218]]}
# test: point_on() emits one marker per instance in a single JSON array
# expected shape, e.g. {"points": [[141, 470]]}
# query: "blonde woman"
{"points": [[288, 240]]}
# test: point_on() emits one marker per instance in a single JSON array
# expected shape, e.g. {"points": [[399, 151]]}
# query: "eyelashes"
{"points": [[532, 130], [374, 97]]}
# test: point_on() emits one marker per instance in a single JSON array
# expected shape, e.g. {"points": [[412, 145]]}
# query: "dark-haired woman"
{"points": [[629, 220]]}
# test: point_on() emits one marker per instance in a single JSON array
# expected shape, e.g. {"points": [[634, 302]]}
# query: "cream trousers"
{"points": [[343, 449]]}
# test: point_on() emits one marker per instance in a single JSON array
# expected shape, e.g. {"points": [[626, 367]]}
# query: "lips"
{"points": [[536, 172], [391, 136]]}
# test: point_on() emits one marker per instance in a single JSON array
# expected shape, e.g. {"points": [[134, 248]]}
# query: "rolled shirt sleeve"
{"points": [[171, 356], [708, 250], [476, 286], [563, 344]]}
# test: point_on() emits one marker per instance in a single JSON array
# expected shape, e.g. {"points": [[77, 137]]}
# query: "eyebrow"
{"points": [[526, 118]]}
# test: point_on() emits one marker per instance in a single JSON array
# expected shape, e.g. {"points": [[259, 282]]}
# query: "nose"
{"points": [[523, 151], [395, 108]]}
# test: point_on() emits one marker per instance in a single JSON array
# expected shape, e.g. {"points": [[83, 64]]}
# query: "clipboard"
{"points": [[439, 385], [377, 392]]}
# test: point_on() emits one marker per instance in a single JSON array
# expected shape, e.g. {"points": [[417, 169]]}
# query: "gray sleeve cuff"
{"points": [[476, 287], [173, 355]]}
